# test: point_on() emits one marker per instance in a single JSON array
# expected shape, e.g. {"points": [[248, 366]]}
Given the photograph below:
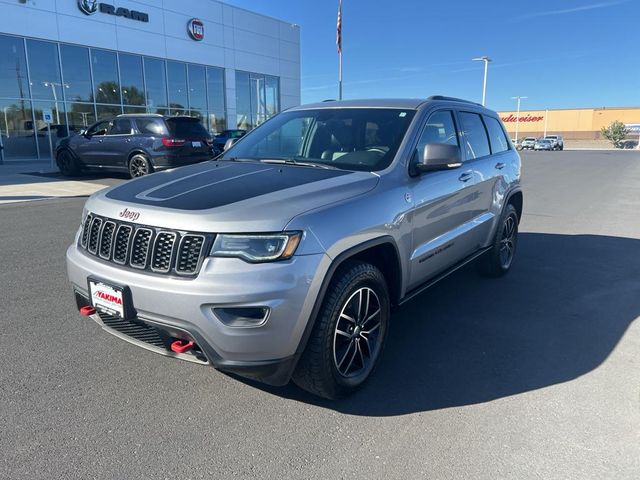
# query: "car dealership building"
{"points": [[84, 60]]}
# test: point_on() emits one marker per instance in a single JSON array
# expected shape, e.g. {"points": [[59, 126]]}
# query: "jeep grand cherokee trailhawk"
{"points": [[283, 257]]}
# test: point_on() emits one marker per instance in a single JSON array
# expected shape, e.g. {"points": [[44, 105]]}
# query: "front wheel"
{"points": [[498, 260], [349, 334], [139, 165], [67, 164]]}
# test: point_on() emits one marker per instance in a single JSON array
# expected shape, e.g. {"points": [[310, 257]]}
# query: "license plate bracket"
{"points": [[111, 298], [196, 144]]}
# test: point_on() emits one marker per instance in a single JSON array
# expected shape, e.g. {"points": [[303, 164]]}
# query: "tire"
{"points": [[139, 165], [347, 338], [67, 164], [499, 259]]}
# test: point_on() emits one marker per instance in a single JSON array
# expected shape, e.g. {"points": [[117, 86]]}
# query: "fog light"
{"points": [[242, 316]]}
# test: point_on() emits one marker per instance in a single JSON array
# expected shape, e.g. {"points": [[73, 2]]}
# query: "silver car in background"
{"points": [[283, 257]]}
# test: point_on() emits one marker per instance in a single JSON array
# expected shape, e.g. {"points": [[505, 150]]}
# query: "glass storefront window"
{"points": [[106, 112], [177, 81], [17, 129], [257, 99], [135, 109], [272, 89], [106, 85], [58, 127], [243, 101], [197, 87], [13, 68], [216, 122], [131, 79], [156, 81], [44, 70], [80, 115], [76, 73], [215, 88]]}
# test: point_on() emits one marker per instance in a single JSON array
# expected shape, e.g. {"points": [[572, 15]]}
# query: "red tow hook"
{"points": [[179, 347], [87, 311]]}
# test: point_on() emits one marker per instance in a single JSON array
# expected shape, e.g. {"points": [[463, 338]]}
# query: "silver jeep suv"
{"points": [[282, 258]]}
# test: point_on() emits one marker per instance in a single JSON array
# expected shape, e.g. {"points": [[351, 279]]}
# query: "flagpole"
{"points": [[340, 78], [339, 46]]}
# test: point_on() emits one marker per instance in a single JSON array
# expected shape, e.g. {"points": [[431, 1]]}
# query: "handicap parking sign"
{"points": [[47, 116]]}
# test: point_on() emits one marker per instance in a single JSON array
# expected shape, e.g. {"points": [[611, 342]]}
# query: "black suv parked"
{"points": [[137, 144]]}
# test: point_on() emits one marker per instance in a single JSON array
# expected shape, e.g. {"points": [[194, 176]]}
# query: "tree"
{"points": [[616, 132]]}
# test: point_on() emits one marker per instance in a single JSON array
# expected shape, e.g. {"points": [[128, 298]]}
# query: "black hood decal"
{"points": [[215, 184]]}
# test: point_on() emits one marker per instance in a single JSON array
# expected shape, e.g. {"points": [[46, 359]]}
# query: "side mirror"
{"points": [[438, 156], [229, 143]]}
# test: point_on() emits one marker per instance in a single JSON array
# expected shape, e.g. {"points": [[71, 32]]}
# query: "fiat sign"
{"points": [[195, 27]]}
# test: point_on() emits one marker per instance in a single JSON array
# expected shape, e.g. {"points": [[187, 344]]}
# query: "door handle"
{"points": [[499, 165], [465, 177], [100, 140]]}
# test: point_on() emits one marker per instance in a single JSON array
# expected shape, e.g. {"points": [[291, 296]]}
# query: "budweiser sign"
{"points": [[527, 118]]}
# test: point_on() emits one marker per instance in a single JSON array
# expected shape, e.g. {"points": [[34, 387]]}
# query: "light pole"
{"points": [[486, 61], [53, 86], [518, 114]]}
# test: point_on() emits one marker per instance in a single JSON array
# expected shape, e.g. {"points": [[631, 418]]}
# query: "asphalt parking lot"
{"points": [[531, 376]]}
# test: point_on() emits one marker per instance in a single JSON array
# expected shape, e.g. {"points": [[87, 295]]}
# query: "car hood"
{"points": [[229, 196]]}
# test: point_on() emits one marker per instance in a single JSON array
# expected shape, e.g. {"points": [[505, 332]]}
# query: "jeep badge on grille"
{"points": [[129, 214]]}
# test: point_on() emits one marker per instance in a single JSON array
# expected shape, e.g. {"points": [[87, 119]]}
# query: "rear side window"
{"points": [[150, 126], [476, 143], [499, 142], [186, 127], [121, 126]]}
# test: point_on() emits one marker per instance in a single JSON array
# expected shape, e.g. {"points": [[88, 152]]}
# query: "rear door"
{"points": [[488, 169], [194, 135], [445, 203]]}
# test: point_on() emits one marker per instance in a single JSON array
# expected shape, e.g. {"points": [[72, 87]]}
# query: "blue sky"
{"points": [[560, 54]]}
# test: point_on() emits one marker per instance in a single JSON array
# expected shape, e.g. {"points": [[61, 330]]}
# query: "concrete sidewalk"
{"points": [[28, 181]]}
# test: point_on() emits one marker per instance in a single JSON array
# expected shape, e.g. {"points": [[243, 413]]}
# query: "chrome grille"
{"points": [[144, 248]]}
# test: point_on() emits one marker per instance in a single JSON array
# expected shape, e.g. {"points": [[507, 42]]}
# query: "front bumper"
{"points": [[183, 308]]}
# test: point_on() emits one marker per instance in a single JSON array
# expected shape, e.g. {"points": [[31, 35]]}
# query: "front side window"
{"points": [[364, 139], [499, 142], [474, 136], [99, 128], [440, 128]]}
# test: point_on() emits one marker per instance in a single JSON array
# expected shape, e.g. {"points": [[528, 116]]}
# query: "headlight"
{"points": [[257, 248]]}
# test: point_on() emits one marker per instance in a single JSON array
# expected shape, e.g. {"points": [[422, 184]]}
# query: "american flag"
{"points": [[339, 28]]}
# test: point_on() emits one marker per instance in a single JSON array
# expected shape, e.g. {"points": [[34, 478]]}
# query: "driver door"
{"points": [[91, 144]]}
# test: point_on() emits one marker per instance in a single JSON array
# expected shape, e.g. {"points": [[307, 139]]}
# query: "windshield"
{"points": [[364, 139]]}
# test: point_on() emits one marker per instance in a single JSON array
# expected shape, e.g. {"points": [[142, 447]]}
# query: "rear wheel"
{"points": [[349, 333], [67, 164], [139, 165], [498, 260]]}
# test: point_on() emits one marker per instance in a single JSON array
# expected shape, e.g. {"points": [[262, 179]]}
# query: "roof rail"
{"points": [[329, 100], [452, 99], [139, 115]]}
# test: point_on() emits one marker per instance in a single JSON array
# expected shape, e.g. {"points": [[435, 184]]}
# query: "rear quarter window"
{"points": [[498, 139], [151, 126]]}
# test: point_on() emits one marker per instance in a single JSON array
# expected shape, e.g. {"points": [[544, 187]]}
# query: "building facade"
{"points": [[572, 124], [85, 60]]}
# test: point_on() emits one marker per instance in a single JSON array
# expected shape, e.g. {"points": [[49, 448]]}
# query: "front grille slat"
{"points": [[144, 248]]}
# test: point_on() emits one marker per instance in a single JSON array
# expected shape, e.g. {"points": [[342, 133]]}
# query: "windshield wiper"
{"points": [[298, 163]]}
